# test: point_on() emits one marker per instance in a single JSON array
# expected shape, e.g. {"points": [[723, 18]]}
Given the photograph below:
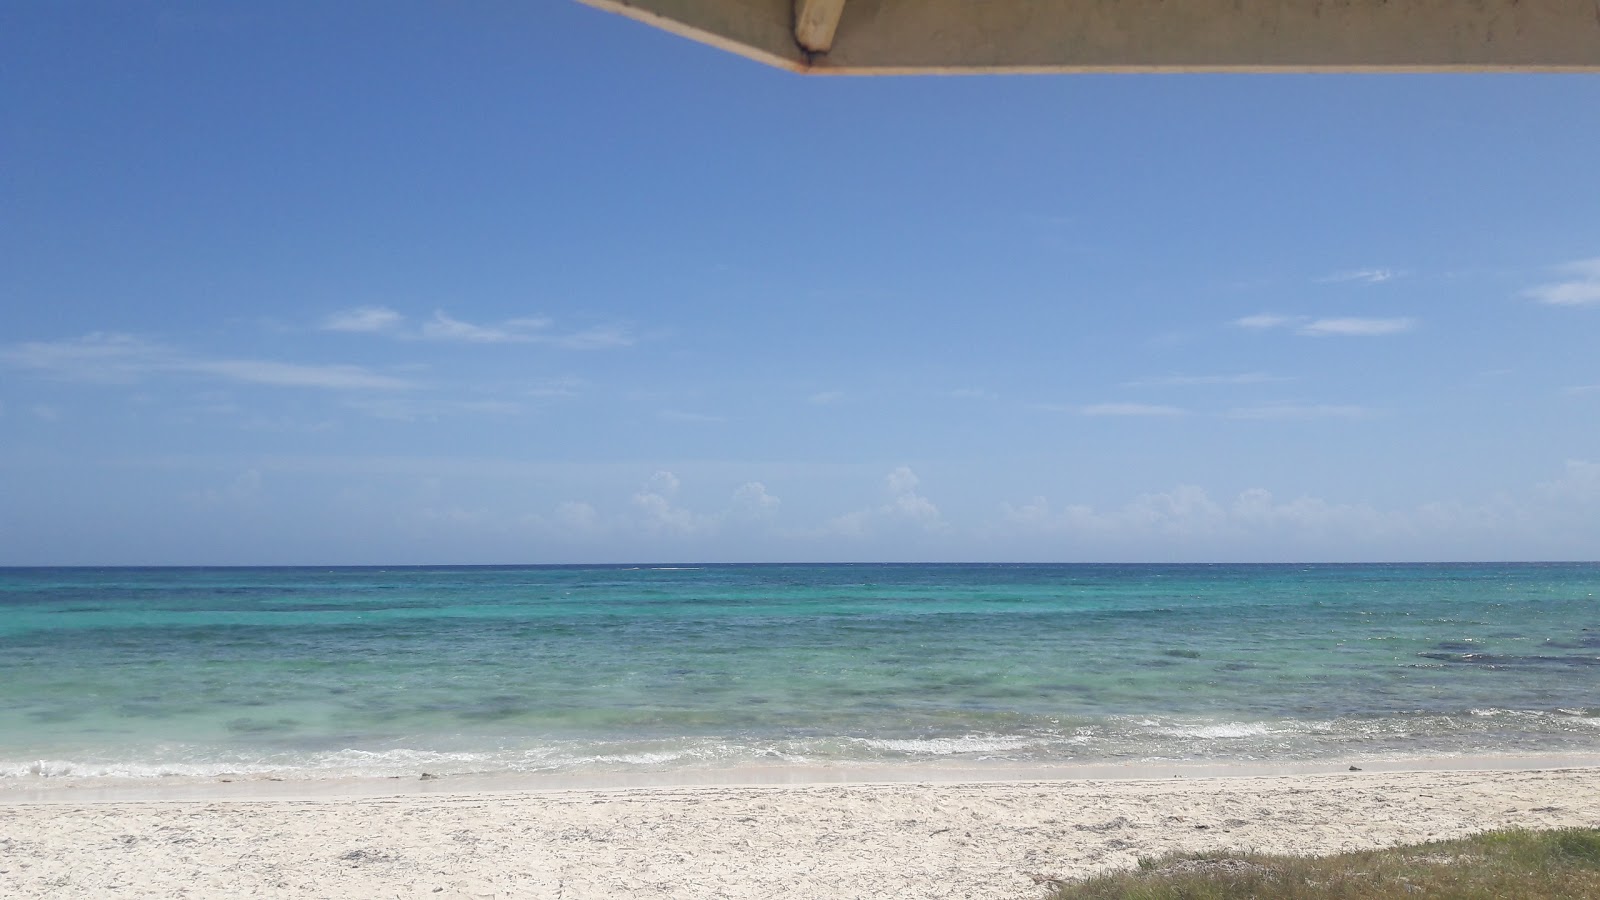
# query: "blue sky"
{"points": [[497, 283]]}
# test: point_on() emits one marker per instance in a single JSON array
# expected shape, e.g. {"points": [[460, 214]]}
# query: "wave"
{"points": [[953, 746], [1221, 730], [1112, 739]]}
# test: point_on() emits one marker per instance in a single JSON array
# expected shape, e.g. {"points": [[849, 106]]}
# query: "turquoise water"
{"points": [[305, 673]]}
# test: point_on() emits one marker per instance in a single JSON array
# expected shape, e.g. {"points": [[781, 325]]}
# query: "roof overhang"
{"points": [[864, 37]]}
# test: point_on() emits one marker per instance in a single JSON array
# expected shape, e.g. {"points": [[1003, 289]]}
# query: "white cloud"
{"points": [[823, 398], [578, 516], [656, 511], [445, 328], [1263, 321], [906, 506], [902, 480], [973, 394], [1199, 380], [664, 482], [851, 524], [46, 412], [1300, 411], [99, 357], [1131, 409], [598, 338], [281, 374], [1354, 327], [1364, 276], [1581, 288], [1580, 480], [1185, 510], [1330, 327], [752, 500], [1579, 390], [661, 517], [365, 319], [121, 358], [1188, 512], [524, 330], [1254, 523]]}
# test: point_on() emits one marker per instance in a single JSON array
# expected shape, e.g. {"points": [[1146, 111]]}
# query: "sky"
{"points": [[490, 282]]}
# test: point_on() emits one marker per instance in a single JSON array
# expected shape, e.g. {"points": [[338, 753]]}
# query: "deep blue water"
{"points": [[317, 672]]}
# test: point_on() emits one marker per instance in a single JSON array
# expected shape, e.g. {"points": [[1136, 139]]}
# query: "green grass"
{"points": [[1497, 865]]}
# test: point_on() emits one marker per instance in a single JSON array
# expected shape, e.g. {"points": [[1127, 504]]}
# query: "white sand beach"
{"points": [[873, 840]]}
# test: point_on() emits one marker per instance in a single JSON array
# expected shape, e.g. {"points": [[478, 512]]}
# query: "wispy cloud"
{"points": [[1300, 411], [445, 327], [1130, 409], [1262, 321], [121, 358], [824, 398], [1579, 390], [1580, 288], [973, 394], [363, 319], [102, 357], [598, 338], [282, 374], [1353, 327], [1331, 327], [1201, 380], [1363, 276]]}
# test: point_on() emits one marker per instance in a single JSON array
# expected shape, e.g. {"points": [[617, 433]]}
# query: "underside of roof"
{"points": [[860, 37]]}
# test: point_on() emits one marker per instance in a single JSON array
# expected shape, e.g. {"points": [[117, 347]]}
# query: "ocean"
{"points": [[317, 673]]}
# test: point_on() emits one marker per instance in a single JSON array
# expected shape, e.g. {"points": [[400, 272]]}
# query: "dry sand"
{"points": [[966, 840]]}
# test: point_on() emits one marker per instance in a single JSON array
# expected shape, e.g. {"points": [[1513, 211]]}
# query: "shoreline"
{"points": [[959, 839], [267, 788]]}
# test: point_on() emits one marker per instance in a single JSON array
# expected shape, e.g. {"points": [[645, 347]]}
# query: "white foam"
{"points": [[62, 768], [1222, 730], [950, 746], [636, 759]]}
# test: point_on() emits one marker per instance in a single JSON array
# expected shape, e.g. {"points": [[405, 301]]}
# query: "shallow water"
{"points": [[314, 673]]}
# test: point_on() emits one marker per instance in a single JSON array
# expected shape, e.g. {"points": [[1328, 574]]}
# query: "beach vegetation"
{"points": [[1513, 864]]}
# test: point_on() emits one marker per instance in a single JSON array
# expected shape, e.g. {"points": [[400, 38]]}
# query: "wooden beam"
{"points": [[815, 22], [951, 36], [762, 30]]}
